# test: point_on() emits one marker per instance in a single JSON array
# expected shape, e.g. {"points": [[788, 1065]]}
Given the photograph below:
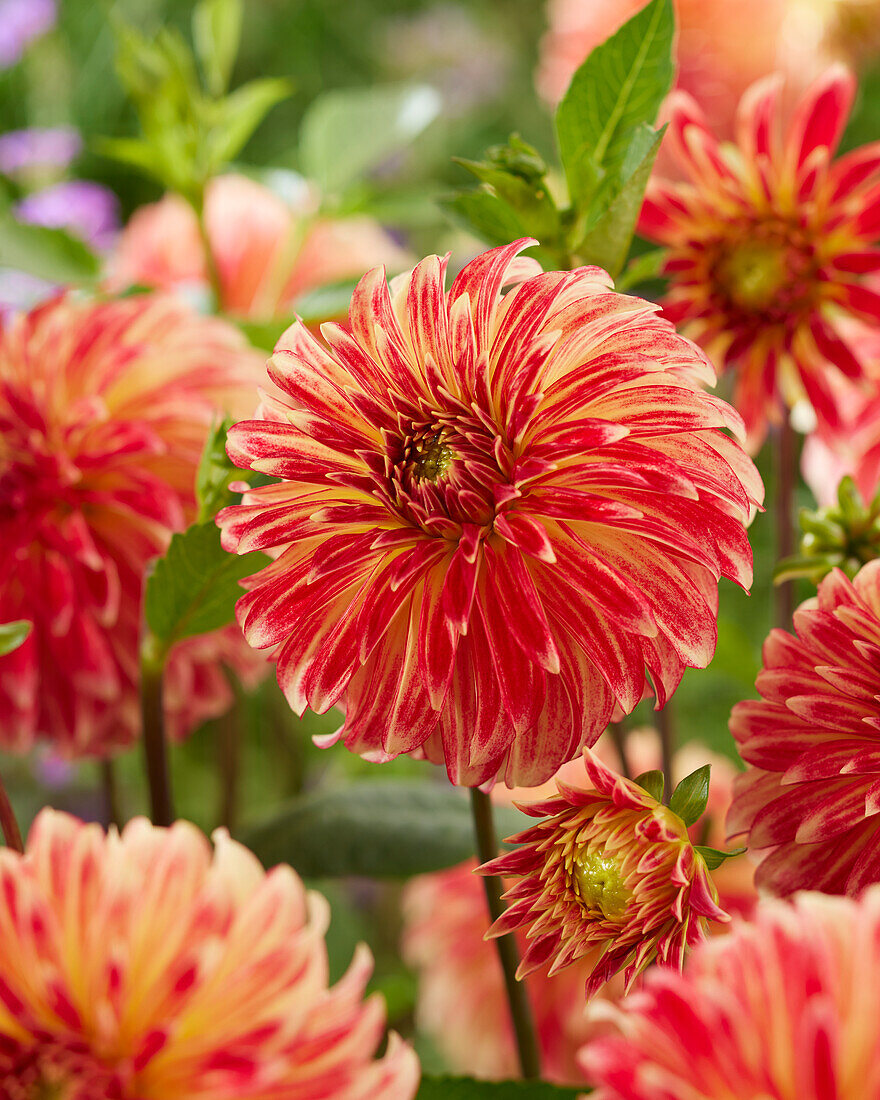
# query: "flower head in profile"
{"points": [[788, 1005], [607, 868], [808, 801], [104, 410], [768, 245], [146, 965], [495, 511]]}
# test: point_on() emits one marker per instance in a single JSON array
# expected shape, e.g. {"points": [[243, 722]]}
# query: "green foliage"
{"points": [[216, 29], [381, 829], [467, 1088], [652, 782], [51, 254], [12, 635], [714, 857], [215, 473], [194, 587], [691, 795]]}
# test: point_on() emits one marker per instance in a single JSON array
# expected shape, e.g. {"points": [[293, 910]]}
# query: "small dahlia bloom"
{"points": [[495, 511], [267, 252], [809, 799], [145, 966], [769, 242], [104, 411], [787, 1005], [607, 869]]}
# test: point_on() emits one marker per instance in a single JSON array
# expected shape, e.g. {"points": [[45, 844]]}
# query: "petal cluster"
{"points": [[786, 1006], [607, 868], [495, 511], [145, 966], [769, 242], [810, 797], [104, 411]]}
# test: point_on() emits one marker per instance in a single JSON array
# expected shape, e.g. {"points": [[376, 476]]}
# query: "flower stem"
{"points": [[229, 765], [517, 995], [110, 791], [210, 260], [785, 461], [666, 729], [8, 824], [618, 736], [155, 748]]}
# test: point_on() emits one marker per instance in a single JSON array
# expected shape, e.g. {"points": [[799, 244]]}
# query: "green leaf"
{"points": [[325, 302], [468, 1088], [215, 472], [51, 254], [608, 242], [652, 782], [194, 587], [486, 215], [384, 830], [216, 26], [641, 269], [691, 795], [714, 857], [238, 115], [131, 151], [13, 634], [346, 133], [618, 88]]}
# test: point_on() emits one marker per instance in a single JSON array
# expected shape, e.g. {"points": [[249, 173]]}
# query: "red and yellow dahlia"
{"points": [[144, 966], [810, 797], [610, 869], [768, 245], [495, 511], [787, 1006], [104, 411]]}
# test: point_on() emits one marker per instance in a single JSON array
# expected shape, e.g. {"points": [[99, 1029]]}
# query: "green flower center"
{"points": [[599, 884], [431, 457], [753, 274]]}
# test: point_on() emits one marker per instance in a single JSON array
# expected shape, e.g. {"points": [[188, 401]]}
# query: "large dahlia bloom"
{"points": [[768, 244], [786, 1006], [145, 966], [607, 869], [104, 411], [495, 512], [809, 799], [267, 252]]}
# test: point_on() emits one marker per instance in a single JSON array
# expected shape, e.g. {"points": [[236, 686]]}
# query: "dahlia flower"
{"points": [[768, 244], [808, 800], [608, 868], [788, 1005], [104, 410], [144, 966], [495, 511], [267, 252]]}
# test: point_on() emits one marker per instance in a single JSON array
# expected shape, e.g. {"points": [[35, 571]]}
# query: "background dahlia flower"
{"points": [[267, 252], [809, 799], [768, 244], [495, 511], [144, 966], [104, 411], [788, 1005], [607, 869]]}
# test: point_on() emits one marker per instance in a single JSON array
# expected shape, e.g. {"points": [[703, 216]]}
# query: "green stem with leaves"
{"points": [[153, 720], [8, 823], [517, 995]]}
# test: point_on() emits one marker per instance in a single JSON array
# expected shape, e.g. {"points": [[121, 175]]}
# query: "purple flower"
{"points": [[86, 209], [21, 21], [21, 150]]}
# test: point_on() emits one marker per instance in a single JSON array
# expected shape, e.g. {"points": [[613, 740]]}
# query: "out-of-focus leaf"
{"points": [[641, 269], [47, 253], [346, 133], [468, 1088], [486, 215], [691, 795], [13, 634], [216, 28], [194, 587], [383, 830], [325, 303], [239, 114]]}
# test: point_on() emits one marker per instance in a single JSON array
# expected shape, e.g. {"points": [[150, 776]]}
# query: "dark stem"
{"points": [[155, 747], [110, 792], [785, 461], [666, 728], [517, 995], [229, 759], [618, 736], [8, 824]]}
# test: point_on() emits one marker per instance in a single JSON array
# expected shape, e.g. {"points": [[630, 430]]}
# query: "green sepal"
{"points": [[13, 634], [714, 857], [691, 795], [652, 782]]}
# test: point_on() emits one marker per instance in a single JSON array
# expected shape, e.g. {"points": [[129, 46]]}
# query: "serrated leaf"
{"points": [[714, 857], [468, 1088], [238, 115], [13, 634], [384, 830], [486, 215], [652, 782], [51, 254], [216, 26], [691, 795], [194, 587], [215, 472], [346, 133], [618, 88]]}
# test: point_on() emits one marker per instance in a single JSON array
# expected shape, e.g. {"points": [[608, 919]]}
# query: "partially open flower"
{"points": [[609, 868], [144, 965]]}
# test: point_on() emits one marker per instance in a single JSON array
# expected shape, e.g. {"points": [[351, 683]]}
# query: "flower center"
{"points": [[599, 884], [753, 274], [430, 455]]}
